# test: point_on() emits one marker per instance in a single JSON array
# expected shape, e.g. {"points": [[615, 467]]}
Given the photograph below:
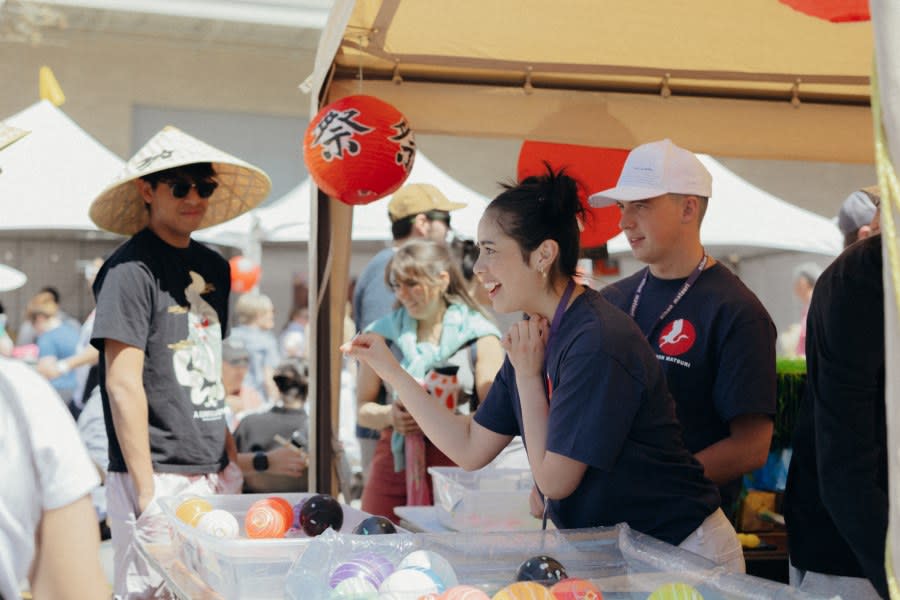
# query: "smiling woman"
{"points": [[432, 332], [580, 384]]}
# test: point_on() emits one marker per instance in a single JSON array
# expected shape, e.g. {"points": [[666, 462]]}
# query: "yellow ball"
{"points": [[192, 509], [524, 590], [675, 591]]}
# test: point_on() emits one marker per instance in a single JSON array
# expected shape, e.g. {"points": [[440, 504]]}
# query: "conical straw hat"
{"points": [[120, 209]]}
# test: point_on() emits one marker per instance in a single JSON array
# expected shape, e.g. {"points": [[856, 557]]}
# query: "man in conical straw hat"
{"points": [[162, 309]]}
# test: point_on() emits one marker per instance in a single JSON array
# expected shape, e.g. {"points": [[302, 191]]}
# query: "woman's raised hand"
{"points": [[525, 343], [372, 349]]}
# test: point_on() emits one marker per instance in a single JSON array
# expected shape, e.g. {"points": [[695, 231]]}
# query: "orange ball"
{"points": [[524, 590], [245, 274], [575, 589], [190, 510], [264, 520], [284, 507]]}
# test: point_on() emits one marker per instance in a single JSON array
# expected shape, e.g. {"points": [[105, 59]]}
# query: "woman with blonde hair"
{"points": [[437, 324]]}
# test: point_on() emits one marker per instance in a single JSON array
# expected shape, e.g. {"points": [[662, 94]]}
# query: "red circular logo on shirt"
{"points": [[677, 337]]}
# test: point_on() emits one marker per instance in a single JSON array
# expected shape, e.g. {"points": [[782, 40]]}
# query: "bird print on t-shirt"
{"points": [[198, 358]]}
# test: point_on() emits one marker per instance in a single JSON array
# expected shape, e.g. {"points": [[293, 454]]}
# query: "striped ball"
{"points": [[524, 590]]}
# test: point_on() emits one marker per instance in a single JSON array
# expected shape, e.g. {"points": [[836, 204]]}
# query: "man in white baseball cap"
{"points": [[715, 340]]}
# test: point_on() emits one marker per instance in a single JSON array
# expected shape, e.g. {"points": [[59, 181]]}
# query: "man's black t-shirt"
{"points": [[717, 348], [171, 303]]}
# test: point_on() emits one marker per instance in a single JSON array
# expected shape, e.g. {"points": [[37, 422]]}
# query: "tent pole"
{"points": [[322, 418]]}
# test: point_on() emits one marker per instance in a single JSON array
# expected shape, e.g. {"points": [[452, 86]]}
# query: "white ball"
{"points": [[431, 561], [409, 584], [219, 523]]}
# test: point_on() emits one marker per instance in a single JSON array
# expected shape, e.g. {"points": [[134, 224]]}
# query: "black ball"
{"points": [[375, 525], [320, 512], [541, 569]]}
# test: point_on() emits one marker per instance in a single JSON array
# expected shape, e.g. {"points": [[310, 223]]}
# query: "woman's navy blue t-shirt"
{"points": [[610, 409]]}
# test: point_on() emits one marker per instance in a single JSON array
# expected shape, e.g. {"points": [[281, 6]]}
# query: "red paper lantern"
{"points": [[595, 168], [359, 149], [244, 274], [836, 11]]}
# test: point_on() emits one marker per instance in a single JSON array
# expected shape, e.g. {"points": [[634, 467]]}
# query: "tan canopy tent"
{"points": [[725, 77]]}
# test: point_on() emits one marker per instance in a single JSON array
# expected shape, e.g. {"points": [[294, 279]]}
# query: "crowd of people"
{"points": [[645, 402]]}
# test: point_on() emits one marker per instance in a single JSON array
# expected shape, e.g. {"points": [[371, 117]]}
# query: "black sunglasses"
{"points": [[180, 189]]}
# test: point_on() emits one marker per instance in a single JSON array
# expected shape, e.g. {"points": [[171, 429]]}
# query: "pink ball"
{"points": [[464, 592]]}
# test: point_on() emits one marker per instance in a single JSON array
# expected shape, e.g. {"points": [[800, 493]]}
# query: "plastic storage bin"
{"points": [[619, 561], [485, 500], [242, 568]]}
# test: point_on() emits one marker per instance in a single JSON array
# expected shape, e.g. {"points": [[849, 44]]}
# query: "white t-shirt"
{"points": [[44, 466]]}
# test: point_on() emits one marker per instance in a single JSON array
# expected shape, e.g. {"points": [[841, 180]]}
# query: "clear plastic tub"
{"points": [[619, 561], [242, 568], [484, 500]]}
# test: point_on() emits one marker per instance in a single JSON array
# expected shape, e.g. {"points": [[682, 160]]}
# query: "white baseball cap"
{"points": [[655, 169]]}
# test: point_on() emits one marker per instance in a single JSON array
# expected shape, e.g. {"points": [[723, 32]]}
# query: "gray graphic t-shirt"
{"points": [[172, 303]]}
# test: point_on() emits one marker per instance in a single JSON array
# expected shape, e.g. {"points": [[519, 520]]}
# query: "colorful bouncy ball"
{"points": [[524, 590], [244, 274], [219, 523], [368, 566], [375, 525], [359, 149], [318, 513], [265, 519], [191, 509], [542, 569]]}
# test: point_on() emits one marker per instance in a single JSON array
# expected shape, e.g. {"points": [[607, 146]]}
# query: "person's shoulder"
{"points": [[621, 291], [721, 287], [595, 317], [208, 255], [856, 268], [862, 256], [130, 260], [604, 332], [377, 262]]}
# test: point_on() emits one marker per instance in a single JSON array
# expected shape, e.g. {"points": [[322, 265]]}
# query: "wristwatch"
{"points": [[260, 461]]}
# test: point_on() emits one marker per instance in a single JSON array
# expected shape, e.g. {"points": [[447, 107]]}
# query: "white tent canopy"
{"points": [[744, 221], [49, 178], [288, 218]]}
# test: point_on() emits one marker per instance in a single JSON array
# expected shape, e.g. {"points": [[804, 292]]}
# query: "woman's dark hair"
{"points": [[544, 207]]}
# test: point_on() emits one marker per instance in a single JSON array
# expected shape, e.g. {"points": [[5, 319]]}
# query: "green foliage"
{"points": [[791, 386]]}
